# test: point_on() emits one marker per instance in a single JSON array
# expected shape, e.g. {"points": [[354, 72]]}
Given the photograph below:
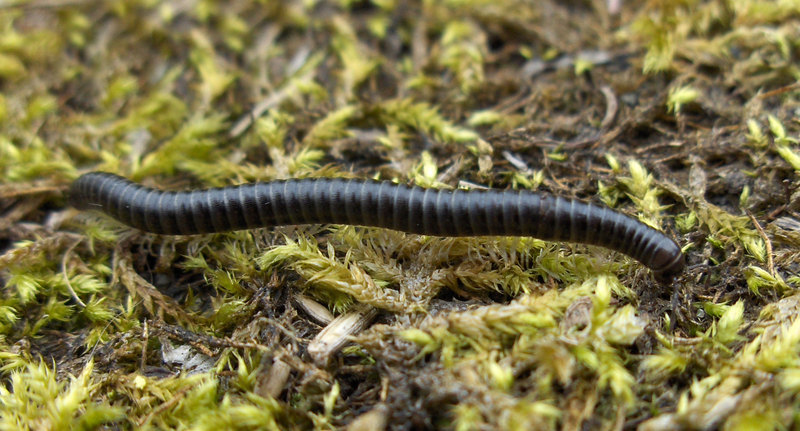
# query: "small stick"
{"points": [[66, 277], [767, 242]]}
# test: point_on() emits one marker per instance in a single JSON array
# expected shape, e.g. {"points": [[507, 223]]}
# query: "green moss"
{"points": [[36, 399]]}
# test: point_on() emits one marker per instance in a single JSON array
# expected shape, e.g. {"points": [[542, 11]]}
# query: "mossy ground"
{"points": [[683, 113]]}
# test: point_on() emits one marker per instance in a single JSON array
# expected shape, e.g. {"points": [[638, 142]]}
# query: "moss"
{"points": [[35, 399]]}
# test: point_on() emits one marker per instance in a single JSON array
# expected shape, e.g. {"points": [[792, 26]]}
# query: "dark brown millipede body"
{"points": [[378, 204]]}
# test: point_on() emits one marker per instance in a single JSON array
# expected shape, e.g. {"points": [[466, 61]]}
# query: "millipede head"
{"points": [[673, 267]]}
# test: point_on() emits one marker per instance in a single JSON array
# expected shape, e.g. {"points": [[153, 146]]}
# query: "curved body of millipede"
{"points": [[378, 204]]}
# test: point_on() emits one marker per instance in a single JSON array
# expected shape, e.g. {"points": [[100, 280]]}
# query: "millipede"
{"points": [[383, 204]]}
